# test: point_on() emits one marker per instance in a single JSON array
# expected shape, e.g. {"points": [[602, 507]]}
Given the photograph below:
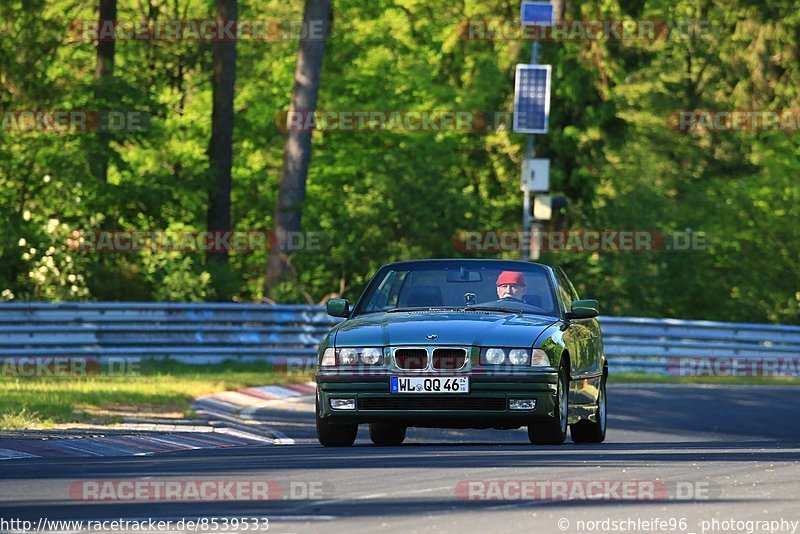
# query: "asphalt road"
{"points": [[676, 459]]}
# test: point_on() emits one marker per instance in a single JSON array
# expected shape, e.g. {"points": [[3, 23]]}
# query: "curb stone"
{"points": [[128, 440], [228, 421], [238, 409], [225, 425]]}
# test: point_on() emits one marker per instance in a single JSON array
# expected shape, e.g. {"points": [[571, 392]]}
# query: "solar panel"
{"points": [[532, 98], [536, 14]]}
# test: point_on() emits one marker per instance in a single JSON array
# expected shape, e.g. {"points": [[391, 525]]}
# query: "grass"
{"points": [[159, 389], [166, 389]]}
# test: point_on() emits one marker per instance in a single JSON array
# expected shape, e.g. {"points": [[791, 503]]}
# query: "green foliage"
{"points": [[382, 196]]}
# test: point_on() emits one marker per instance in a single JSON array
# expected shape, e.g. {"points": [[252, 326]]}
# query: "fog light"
{"points": [[522, 404], [343, 404]]}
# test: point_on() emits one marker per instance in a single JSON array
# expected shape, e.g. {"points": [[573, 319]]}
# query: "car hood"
{"points": [[451, 328]]}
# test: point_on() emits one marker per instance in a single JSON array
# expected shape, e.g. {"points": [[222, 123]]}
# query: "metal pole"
{"points": [[526, 214], [527, 223]]}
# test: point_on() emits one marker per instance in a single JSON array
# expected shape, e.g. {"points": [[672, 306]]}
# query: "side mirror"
{"points": [[338, 307], [584, 309]]}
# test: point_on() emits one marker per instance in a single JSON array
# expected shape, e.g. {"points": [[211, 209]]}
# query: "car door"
{"points": [[582, 332], [582, 335]]}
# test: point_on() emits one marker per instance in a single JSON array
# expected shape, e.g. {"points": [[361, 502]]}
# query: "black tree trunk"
{"points": [[220, 147], [297, 148], [103, 73]]}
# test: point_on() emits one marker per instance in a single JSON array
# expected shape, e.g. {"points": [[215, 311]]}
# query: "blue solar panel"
{"points": [[532, 98], [537, 14]]}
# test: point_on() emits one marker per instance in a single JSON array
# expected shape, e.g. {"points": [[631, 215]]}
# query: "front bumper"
{"points": [[485, 406]]}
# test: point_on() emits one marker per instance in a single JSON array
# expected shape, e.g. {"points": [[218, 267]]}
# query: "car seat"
{"points": [[419, 296]]}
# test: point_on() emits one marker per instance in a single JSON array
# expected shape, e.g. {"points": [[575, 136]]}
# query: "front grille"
{"points": [[412, 359], [449, 359], [431, 403]]}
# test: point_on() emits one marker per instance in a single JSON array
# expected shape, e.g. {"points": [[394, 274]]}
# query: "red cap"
{"points": [[510, 277]]}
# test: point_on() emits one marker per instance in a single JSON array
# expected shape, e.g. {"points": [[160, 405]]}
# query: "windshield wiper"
{"points": [[426, 308], [492, 308], [459, 309]]}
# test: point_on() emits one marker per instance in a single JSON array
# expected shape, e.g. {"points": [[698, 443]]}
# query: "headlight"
{"points": [[348, 356], [540, 358], [495, 356], [500, 356], [352, 356], [371, 355], [518, 356]]}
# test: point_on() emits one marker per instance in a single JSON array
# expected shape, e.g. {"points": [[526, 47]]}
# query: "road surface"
{"points": [[677, 459]]}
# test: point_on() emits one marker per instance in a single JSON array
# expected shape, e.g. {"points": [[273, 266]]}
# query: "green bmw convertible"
{"points": [[463, 343]]}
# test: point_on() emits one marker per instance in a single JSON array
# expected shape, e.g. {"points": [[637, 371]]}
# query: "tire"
{"points": [[554, 431], [330, 435], [589, 431], [386, 434]]}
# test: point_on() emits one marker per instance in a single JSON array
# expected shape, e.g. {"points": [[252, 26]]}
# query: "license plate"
{"points": [[424, 384]]}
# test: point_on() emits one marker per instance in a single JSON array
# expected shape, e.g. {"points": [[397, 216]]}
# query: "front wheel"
{"points": [[330, 435], [592, 431], [554, 431], [385, 434]]}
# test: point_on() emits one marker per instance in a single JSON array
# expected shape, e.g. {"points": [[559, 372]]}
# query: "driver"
{"points": [[510, 285]]}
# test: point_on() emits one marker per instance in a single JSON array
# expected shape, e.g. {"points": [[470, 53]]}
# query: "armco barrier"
{"points": [[675, 346], [209, 333]]}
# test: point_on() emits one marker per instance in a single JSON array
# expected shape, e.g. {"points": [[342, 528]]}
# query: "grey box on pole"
{"points": [[536, 174], [543, 208]]}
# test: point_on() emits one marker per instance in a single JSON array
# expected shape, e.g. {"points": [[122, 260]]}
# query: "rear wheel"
{"points": [[386, 434], [554, 431], [592, 431], [330, 435]]}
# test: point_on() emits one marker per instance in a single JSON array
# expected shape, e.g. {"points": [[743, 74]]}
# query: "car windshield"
{"points": [[481, 285]]}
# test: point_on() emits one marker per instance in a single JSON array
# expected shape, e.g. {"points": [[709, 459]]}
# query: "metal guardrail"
{"points": [[190, 332], [675, 346], [211, 333]]}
